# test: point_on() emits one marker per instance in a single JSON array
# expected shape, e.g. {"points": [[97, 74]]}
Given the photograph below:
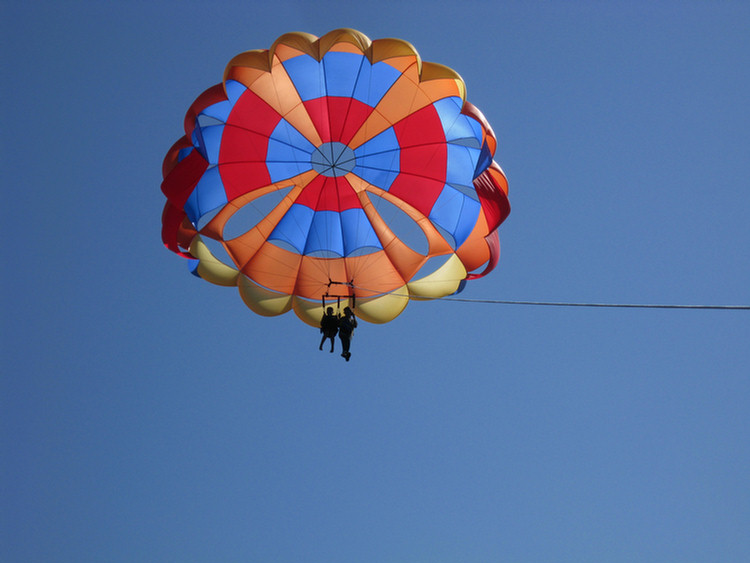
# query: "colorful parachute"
{"points": [[335, 168]]}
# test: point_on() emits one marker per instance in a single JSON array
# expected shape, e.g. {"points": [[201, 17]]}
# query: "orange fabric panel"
{"points": [[474, 251], [274, 268], [374, 274], [315, 273]]}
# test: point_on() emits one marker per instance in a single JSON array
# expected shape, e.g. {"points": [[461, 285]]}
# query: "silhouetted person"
{"points": [[329, 326], [347, 324]]}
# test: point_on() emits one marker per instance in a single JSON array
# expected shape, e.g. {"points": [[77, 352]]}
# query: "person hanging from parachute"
{"points": [[347, 324], [306, 171], [329, 326]]}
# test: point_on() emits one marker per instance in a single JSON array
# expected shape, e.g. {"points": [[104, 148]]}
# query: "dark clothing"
{"points": [[329, 326], [347, 325]]}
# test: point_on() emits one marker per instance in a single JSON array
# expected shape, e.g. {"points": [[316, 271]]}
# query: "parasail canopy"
{"points": [[335, 168]]}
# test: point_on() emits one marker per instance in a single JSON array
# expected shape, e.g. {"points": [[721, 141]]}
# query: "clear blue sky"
{"points": [[149, 416]]}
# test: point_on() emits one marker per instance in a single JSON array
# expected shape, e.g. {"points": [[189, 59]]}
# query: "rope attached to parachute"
{"points": [[579, 304]]}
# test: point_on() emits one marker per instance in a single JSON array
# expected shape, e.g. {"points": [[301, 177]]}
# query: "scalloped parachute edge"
{"points": [[344, 39], [444, 281], [381, 309]]}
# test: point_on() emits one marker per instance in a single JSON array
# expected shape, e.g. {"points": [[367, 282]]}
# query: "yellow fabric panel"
{"points": [[377, 310], [387, 49], [209, 267], [247, 65], [310, 312], [263, 301], [443, 281], [285, 52], [338, 38], [297, 40], [383, 309], [437, 89], [435, 71]]}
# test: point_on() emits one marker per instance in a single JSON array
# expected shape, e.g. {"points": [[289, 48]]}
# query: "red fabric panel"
{"points": [[252, 113], [170, 159], [213, 95], [171, 220], [423, 159], [417, 191], [179, 184], [317, 109], [329, 194], [240, 178], [346, 116], [473, 111], [494, 202], [244, 145]]}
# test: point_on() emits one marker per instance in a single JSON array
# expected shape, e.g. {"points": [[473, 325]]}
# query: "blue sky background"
{"points": [[149, 416]]}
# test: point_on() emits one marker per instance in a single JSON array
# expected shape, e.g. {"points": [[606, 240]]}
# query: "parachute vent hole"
{"points": [[322, 254], [217, 249], [431, 266], [468, 191], [403, 226], [206, 218], [249, 215], [471, 142], [206, 121], [283, 244], [446, 235]]}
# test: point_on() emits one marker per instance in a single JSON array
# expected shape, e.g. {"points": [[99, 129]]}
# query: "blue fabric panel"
{"points": [[325, 233], [374, 81], [285, 133], [307, 76], [341, 72], [461, 287], [294, 226], [378, 160], [466, 220], [211, 137], [385, 141], [234, 90], [288, 153], [197, 139], [462, 161], [456, 125], [280, 171], [208, 194], [358, 232], [456, 213], [377, 177], [182, 153], [485, 159], [218, 111], [193, 267]]}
